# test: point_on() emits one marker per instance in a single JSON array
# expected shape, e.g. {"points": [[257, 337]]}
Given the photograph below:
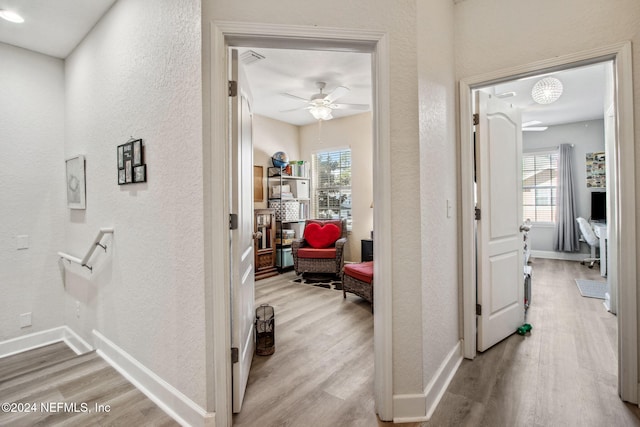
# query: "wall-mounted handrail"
{"points": [[96, 242]]}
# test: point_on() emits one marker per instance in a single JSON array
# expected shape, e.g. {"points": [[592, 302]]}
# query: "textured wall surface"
{"points": [[138, 73], [438, 183], [398, 20], [32, 184]]}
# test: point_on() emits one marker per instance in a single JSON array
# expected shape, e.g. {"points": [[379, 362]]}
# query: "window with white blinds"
{"points": [[332, 185], [539, 186]]}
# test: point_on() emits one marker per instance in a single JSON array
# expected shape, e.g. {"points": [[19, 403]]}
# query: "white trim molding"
{"points": [[622, 230], [168, 398], [412, 408], [241, 34], [565, 256], [43, 338]]}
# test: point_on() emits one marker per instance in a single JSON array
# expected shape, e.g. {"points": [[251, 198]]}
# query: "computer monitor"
{"points": [[598, 206]]}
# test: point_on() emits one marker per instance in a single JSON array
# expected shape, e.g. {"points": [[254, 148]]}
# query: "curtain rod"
{"points": [[556, 147]]}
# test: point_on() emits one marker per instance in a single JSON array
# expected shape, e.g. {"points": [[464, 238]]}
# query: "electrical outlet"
{"points": [[25, 320]]}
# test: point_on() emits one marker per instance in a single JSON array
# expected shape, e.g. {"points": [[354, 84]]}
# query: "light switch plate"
{"points": [[25, 320]]}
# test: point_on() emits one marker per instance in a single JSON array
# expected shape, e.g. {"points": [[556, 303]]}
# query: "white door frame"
{"points": [[217, 172], [622, 238]]}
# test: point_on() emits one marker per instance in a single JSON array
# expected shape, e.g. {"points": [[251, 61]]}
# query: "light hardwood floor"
{"points": [[54, 374], [562, 374]]}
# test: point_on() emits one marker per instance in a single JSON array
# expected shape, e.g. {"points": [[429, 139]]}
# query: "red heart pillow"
{"points": [[321, 236]]}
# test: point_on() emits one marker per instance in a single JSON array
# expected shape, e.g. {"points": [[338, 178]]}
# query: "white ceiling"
{"points": [[52, 27], [296, 72], [56, 27], [582, 98]]}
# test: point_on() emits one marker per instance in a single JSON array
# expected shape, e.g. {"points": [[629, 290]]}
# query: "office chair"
{"points": [[590, 237]]}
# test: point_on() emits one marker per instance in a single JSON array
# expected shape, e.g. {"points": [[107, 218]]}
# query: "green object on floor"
{"points": [[522, 330]]}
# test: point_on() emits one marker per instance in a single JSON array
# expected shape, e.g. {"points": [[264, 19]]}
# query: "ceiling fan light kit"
{"points": [[321, 104], [547, 90], [321, 112]]}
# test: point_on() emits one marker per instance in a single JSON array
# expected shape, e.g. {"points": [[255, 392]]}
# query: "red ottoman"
{"points": [[358, 279]]}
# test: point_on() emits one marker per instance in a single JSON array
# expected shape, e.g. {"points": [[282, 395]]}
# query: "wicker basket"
{"points": [[288, 210]]}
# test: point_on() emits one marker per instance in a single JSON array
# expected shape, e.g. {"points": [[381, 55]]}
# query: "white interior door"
{"points": [[242, 256], [500, 276]]}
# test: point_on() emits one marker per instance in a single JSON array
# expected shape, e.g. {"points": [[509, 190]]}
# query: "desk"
{"points": [[600, 230]]}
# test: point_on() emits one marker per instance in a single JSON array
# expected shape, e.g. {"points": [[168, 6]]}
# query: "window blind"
{"points": [[332, 185], [539, 186]]}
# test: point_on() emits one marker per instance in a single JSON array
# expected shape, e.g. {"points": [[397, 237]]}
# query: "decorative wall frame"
{"points": [[596, 170], [76, 182], [131, 166]]}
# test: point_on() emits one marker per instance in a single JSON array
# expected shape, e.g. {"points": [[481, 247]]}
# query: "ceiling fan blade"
{"points": [[338, 92], [350, 106], [288, 95], [294, 109]]}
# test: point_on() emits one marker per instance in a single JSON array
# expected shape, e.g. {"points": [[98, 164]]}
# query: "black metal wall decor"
{"points": [[131, 166]]}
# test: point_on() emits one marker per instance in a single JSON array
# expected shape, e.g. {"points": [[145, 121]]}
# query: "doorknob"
{"points": [[526, 226]]}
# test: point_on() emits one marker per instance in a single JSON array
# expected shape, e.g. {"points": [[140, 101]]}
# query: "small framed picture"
{"points": [[137, 152], [76, 196], [140, 173], [120, 157], [121, 176], [128, 169]]}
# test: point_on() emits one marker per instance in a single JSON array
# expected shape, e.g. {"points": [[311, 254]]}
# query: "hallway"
{"points": [[563, 374]]}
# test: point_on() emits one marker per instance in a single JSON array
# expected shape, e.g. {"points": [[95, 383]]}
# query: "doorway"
{"points": [[621, 246], [224, 35]]}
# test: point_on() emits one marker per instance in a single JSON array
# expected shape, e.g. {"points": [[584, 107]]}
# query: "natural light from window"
{"points": [[539, 186], [332, 185]]}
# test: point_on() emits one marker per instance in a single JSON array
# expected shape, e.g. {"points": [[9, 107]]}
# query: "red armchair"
{"points": [[321, 249]]}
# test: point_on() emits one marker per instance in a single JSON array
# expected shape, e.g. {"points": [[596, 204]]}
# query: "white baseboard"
{"points": [[409, 408], [565, 256], [42, 338], [168, 398]]}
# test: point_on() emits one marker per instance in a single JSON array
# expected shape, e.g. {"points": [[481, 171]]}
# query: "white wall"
{"points": [[270, 136], [438, 187], [353, 132], [399, 22], [587, 137], [138, 73], [32, 184]]}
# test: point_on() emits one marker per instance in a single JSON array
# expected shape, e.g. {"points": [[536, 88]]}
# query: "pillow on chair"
{"points": [[321, 236]]}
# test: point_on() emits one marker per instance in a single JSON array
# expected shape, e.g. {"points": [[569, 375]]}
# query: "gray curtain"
{"points": [[566, 233]]}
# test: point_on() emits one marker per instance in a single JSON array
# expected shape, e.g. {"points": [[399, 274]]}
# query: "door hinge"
{"points": [[233, 88], [476, 119], [478, 310], [478, 214], [233, 221], [234, 355]]}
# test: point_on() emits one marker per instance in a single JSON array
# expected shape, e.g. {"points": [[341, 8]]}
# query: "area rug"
{"points": [[591, 288], [321, 281]]}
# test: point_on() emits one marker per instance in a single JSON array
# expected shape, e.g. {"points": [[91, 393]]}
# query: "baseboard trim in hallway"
{"points": [[419, 407], [168, 398], [43, 338]]}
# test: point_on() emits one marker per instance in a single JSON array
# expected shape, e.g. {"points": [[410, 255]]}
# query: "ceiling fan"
{"points": [[322, 104]]}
